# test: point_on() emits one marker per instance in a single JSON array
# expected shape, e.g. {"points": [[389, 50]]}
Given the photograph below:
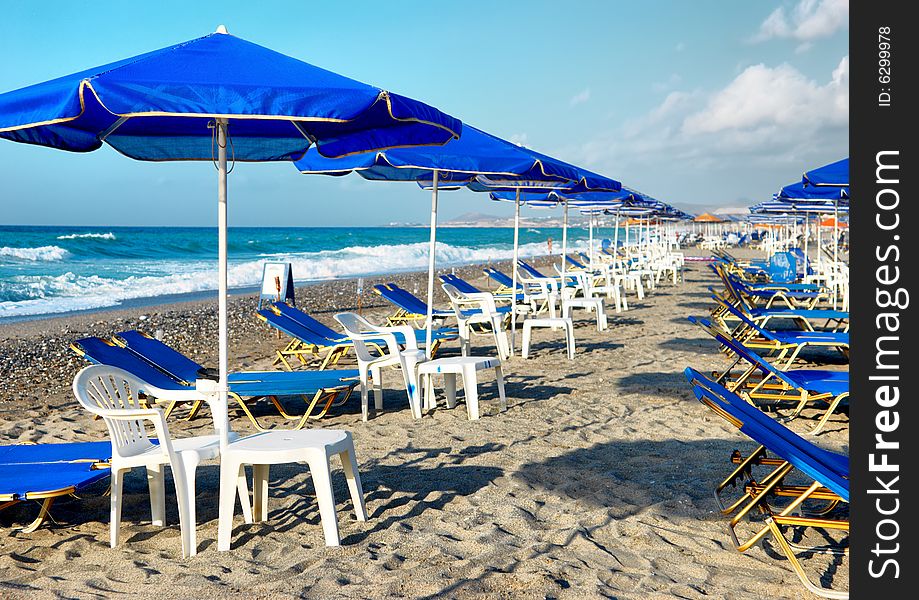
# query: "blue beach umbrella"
{"points": [[808, 193], [193, 101], [835, 174], [829, 182], [478, 161]]}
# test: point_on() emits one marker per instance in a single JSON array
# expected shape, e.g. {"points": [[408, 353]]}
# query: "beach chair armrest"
{"points": [[407, 333]]}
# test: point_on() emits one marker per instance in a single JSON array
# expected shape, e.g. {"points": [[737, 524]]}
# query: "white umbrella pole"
{"points": [[564, 240], [221, 418], [616, 237], [514, 271], [835, 252], [819, 244], [807, 222], [431, 251], [590, 238]]}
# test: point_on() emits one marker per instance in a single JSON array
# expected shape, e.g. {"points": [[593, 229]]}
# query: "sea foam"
{"points": [[78, 236], [40, 253], [28, 295]]}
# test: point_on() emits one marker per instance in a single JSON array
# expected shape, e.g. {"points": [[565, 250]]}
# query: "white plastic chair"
{"points": [[361, 331], [477, 309], [114, 395]]}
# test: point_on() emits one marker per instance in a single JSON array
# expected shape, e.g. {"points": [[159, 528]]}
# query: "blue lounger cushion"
{"points": [[818, 381], [254, 383], [25, 480], [97, 350], [35, 469], [790, 337], [408, 302], [17, 454], [295, 330]]}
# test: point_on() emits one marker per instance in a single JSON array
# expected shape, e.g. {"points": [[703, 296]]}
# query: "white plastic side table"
{"points": [[449, 368]]}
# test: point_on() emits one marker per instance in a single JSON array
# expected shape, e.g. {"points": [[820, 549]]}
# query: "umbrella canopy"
{"points": [[708, 218], [833, 222], [832, 175], [458, 163], [159, 105], [806, 193], [477, 158], [210, 97], [578, 199]]}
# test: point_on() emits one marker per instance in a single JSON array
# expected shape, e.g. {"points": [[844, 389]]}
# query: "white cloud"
{"points": [[782, 97], [763, 127], [580, 98], [809, 20]]}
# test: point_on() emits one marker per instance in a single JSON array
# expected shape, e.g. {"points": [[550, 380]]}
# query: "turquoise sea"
{"points": [[55, 270]]}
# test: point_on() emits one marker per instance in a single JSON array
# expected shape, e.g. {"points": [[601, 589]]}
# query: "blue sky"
{"points": [[701, 104]]}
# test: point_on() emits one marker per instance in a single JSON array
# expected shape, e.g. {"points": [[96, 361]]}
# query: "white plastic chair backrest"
{"points": [[463, 302], [358, 329], [114, 395]]}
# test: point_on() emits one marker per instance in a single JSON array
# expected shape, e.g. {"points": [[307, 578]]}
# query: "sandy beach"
{"points": [[596, 483]]}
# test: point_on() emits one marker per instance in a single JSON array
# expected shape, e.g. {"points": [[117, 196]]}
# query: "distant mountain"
{"points": [[732, 210], [474, 217]]}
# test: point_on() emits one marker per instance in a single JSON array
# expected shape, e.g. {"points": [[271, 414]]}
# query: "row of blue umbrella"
{"points": [[221, 98], [823, 190]]}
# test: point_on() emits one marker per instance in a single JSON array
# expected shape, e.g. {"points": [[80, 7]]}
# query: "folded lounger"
{"points": [[829, 472], [804, 386], [48, 471], [506, 282], [143, 357], [411, 310]]}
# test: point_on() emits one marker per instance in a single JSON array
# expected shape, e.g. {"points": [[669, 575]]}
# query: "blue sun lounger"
{"points": [[506, 282], [535, 274], [305, 345], [467, 288], [410, 309], [805, 317], [829, 472], [785, 341], [48, 471], [792, 295], [309, 337], [810, 385], [161, 366], [440, 334]]}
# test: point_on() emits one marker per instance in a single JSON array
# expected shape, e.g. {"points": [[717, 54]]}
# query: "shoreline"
{"points": [[36, 360]]}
